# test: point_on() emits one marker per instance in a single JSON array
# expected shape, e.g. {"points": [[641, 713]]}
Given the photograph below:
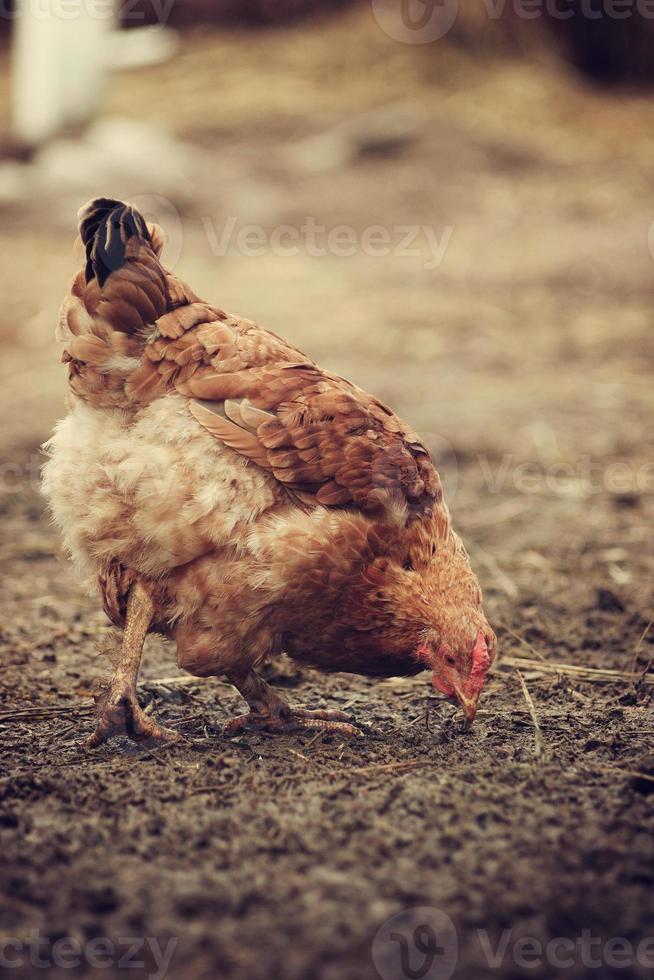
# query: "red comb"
{"points": [[480, 658]]}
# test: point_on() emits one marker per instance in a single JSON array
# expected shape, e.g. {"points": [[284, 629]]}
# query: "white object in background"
{"points": [[58, 65], [140, 47]]}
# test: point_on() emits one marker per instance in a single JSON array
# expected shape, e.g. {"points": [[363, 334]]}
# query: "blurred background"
{"points": [[450, 204]]}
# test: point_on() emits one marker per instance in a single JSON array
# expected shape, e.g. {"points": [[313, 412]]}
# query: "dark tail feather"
{"points": [[105, 227]]}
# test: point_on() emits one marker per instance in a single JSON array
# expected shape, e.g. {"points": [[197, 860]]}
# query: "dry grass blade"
{"points": [[525, 643], [600, 675], [618, 770], [204, 789], [157, 758], [383, 767], [33, 714], [634, 774], [502, 580], [539, 745], [639, 645]]}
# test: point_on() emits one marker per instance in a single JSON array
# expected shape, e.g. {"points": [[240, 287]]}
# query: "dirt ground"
{"points": [[525, 357]]}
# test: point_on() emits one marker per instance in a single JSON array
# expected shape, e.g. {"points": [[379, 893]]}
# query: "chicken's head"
{"points": [[422, 603], [459, 660]]}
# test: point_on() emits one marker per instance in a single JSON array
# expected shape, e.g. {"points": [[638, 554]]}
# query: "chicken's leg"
{"points": [[117, 710], [270, 713]]}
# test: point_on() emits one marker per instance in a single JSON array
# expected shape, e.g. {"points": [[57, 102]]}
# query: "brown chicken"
{"points": [[220, 488]]}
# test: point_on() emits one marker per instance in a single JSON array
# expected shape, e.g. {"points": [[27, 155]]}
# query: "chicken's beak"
{"points": [[468, 704]]}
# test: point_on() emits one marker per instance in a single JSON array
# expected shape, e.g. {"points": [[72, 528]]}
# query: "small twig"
{"points": [[45, 712], [169, 688], [639, 645], [66, 730], [525, 643], [632, 773], [157, 758], [315, 738], [643, 677], [351, 701], [602, 675], [203, 789], [191, 717], [538, 735], [404, 726], [383, 767], [635, 774], [505, 583]]}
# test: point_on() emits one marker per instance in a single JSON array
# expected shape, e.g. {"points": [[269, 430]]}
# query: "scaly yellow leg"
{"points": [[117, 709]]}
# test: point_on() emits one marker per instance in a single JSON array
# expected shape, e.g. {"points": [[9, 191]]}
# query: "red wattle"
{"points": [[480, 658], [442, 685]]}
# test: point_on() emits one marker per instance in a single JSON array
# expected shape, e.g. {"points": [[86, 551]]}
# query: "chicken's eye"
{"points": [[449, 659]]}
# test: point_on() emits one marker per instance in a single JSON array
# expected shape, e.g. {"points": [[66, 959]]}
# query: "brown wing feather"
{"points": [[232, 435], [317, 434], [321, 437]]}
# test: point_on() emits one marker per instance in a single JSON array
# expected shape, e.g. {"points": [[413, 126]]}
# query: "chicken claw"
{"points": [[269, 713], [291, 721], [117, 710], [119, 713]]}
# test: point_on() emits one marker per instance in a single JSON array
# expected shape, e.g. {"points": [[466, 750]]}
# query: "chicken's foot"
{"points": [[270, 713], [117, 709]]}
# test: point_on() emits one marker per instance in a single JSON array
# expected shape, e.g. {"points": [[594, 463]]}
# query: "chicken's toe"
{"points": [[119, 713], [292, 721], [314, 719], [324, 714]]}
